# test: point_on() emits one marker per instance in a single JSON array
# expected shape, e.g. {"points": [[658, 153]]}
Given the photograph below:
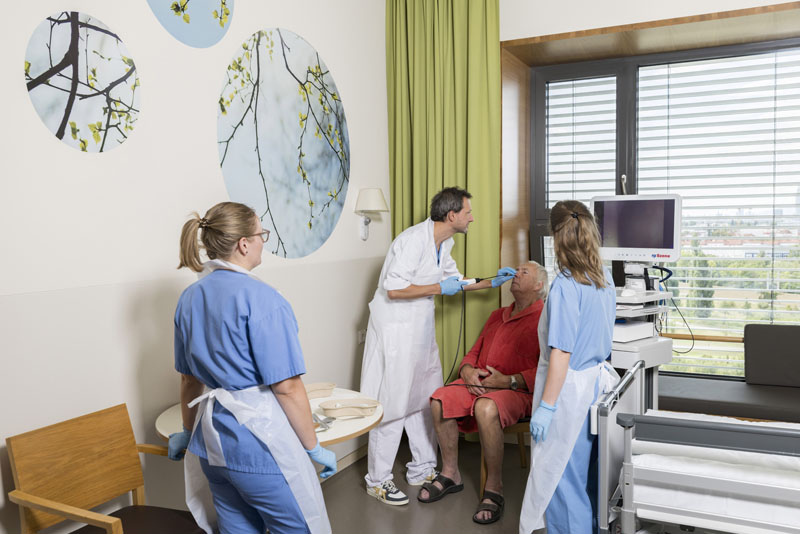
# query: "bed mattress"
{"points": [[728, 490]]}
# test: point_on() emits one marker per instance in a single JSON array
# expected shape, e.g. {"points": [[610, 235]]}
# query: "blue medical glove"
{"points": [[325, 458], [452, 285], [503, 275], [540, 421], [178, 443]]}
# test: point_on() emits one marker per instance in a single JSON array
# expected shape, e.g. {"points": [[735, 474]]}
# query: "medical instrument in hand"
{"points": [[452, 285]]}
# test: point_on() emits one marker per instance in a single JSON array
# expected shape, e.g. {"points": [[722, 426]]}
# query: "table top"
{"points": [[342, 429]]}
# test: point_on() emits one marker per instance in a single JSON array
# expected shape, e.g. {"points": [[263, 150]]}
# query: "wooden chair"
{"points": [[519, 429], [63, 470]]}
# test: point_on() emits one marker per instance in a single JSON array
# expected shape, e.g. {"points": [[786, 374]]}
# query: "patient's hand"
{"points": [[472, 376], [496, 379]]}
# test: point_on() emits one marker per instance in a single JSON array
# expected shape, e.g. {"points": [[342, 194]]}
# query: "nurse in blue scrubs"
{"points": [[247, 420], [575, 334]]}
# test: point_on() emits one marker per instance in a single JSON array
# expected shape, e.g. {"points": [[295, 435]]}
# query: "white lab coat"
{"points": [[401, 365], [257, 409], [549, 457]]}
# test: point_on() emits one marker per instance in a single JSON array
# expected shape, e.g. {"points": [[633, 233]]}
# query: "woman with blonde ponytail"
{"points": [[248, 432], [575, 334]]}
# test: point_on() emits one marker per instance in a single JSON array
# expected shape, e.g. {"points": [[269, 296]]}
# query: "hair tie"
{"points": [[203, 223], [575, 215]]}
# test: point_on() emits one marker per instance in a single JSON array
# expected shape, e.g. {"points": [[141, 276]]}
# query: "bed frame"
{"points": [[618, 417]]}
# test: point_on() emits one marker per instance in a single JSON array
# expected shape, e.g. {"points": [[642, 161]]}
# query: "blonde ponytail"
{"points": [[220, 230]]}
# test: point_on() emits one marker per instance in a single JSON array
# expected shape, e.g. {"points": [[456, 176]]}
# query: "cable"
{"points": [[461, 325], [664, 270], [460, 328], [687, 326]]}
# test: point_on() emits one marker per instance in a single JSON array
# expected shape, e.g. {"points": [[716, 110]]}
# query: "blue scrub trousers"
{"points": [[251, 503], [573, 508]]}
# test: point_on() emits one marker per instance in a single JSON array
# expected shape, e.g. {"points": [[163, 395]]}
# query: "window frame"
{"points": [[626, 71]]}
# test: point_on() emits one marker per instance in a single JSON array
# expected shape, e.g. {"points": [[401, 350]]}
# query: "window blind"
{"points": [[581, 143], [725, 135]]}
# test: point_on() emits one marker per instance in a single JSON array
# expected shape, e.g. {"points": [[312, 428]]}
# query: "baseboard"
{"points": [[350, 459], [347, 460]]}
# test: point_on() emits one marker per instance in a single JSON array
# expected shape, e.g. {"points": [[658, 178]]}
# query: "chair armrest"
{"points": [[112, 525], [152, 449]]}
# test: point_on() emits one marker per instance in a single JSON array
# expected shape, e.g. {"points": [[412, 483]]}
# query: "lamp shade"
{"points": [[370, 200]]}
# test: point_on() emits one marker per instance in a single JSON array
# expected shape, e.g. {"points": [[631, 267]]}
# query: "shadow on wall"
{"points": [[361, 324], [151, 319]]}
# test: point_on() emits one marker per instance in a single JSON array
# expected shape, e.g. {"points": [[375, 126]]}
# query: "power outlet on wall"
{"points": [[361, 336]]}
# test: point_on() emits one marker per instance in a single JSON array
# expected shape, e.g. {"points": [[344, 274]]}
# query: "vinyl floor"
{"points": [[351, 510]]}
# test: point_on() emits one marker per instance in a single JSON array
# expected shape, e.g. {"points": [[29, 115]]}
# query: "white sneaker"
{"points": [[429, 477], [388, 493]]}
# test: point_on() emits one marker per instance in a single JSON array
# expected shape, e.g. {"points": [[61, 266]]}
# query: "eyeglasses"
{"points": [[264, 235]]}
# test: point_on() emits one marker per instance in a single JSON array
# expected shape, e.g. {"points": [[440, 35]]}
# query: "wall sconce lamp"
{"points": [[369, 201]]}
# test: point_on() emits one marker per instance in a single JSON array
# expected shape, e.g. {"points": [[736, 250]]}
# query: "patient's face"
{"points": [[525, 281]]}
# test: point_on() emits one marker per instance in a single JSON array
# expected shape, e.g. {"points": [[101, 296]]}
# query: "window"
{"points": [[720, 127]]}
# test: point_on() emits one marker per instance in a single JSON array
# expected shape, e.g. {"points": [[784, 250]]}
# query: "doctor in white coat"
{"points": [[401, 365]]}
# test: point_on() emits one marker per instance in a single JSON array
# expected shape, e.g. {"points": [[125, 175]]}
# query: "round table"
{"points": [[342, 429]]}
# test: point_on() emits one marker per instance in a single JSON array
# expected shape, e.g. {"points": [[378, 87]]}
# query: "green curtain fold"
{"points": [[443, 83]]}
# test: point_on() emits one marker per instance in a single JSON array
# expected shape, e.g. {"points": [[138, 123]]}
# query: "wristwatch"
{"points": [[514, 384]]}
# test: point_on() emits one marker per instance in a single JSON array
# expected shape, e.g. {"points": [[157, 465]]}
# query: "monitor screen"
{"points": [[639, 227]]}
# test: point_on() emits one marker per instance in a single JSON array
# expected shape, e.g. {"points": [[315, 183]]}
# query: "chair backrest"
{"points": [[772, 354], [82, 462]]}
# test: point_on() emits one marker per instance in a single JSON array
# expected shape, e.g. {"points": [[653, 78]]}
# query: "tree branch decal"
{"points": [[256, 103], [64, 93]]}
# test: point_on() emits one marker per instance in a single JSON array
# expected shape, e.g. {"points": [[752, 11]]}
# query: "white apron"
{"points": [[549, 457], [401, 367], [257, 409]]}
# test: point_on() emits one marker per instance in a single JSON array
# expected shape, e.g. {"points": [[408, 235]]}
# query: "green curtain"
{"points": [[443, 81]]}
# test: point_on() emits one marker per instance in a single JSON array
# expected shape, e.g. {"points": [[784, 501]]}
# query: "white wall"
{"points": [[88, 283], [532, 18]]}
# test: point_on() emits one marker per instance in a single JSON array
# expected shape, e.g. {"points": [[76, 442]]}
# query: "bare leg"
{"points": [[447, 432], [491, 434]]}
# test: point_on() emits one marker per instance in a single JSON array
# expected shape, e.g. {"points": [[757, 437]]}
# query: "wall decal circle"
{"points": [[82, 81], [282, 137], [197, 23]]}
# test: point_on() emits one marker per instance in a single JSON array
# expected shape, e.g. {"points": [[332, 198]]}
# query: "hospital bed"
{"points": [[696, 471]]}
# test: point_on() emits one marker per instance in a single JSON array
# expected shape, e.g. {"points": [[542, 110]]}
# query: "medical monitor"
{"points": [[643, 228]]}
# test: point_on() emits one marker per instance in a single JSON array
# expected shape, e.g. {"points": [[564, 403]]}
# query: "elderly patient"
{"points": [[493, 391]]}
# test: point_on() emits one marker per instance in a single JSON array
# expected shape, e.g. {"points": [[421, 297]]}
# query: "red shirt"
{"points": [[509, 344]]}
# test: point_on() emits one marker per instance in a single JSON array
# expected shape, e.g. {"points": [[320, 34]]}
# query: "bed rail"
{"points": [[628, 395], [716, 435]]}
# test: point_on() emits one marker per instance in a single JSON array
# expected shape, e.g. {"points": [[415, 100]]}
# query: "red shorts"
{"points": [[459, 403]]}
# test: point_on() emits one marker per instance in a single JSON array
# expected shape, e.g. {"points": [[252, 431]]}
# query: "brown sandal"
{"points": [[434, 493], [495, 507]]}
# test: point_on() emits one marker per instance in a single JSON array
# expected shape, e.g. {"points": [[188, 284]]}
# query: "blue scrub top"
{"points": [[581, 320], [235, 332]]}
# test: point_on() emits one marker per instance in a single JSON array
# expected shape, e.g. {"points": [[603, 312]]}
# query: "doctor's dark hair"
{"points": [[447, 200], [576, 242], [220, 229]]}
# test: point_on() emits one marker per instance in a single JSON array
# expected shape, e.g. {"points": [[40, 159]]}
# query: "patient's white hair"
{"points": [[541, 276]]}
